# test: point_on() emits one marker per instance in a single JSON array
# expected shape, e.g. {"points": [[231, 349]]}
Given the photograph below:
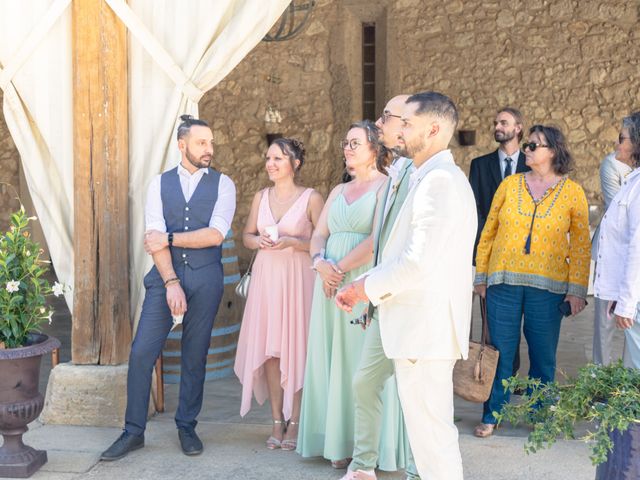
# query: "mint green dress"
{"points": [[333, 356]]}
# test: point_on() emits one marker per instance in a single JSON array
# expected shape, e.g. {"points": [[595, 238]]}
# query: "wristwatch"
{"points": [[170, 239]]}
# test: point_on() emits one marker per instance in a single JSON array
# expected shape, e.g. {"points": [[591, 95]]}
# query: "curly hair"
{"points": [[632, 123], [562, 162], [383, 154]]}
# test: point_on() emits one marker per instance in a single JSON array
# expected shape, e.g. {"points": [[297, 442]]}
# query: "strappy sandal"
{"points": [[484, 430], [273, 442], [340, 464], [290, 444]]}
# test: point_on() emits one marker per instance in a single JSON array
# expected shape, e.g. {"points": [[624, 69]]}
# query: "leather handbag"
{"points": [[473, 377], [242, 288]]}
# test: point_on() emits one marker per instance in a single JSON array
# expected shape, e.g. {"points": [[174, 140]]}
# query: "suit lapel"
{"points": [[521, 166], [387, 207], [376, 242], [494, 166], [436, 163]]}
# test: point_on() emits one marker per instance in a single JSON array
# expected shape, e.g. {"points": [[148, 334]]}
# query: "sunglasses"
{"points": [[532, 146], [385, 116], [352, 144], [622, 138]]}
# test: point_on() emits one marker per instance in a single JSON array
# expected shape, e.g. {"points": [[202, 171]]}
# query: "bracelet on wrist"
{"points": [[315, 260], [171, 280]]}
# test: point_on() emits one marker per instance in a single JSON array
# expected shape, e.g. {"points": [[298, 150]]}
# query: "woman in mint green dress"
{"points": [[341, 247]]}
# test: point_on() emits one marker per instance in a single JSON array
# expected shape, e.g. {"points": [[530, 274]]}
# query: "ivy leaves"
{"points": [[606, 396]]}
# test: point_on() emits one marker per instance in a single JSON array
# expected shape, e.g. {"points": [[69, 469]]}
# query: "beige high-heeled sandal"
{"points": [[484, 430], [273, 442], [290, 444]]}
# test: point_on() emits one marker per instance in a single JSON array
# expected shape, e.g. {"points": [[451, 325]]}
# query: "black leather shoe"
{"points": [[127, 442], [189, 441]]}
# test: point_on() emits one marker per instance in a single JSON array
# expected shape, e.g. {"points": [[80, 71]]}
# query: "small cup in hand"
{"points": [[272, 231]]}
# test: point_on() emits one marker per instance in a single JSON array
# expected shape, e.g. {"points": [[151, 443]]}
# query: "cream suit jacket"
{"points": [[423, 283]]}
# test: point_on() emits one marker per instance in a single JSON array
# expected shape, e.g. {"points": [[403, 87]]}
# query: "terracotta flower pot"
{"points": [[20, 404]]}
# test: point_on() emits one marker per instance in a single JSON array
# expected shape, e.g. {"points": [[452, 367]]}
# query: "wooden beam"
{"points": [[101, 332]]}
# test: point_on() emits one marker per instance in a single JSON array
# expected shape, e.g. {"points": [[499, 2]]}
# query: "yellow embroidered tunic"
{"points": [[559, 249]]}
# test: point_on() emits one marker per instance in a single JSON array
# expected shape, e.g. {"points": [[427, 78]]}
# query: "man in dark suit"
{"points": [[488, 171]]}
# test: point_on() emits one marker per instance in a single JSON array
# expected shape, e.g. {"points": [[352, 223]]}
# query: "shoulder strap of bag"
{"points": [[253, 257], [485, 339]]}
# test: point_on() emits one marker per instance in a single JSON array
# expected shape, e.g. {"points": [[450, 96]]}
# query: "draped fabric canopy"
{"points": [[177, 52]]}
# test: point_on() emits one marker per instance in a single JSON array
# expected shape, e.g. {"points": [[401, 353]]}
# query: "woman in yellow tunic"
{"points": [[533, 261]]}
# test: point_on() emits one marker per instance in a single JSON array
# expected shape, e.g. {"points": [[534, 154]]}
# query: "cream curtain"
{"points": [[178, 51], [35, 64]]}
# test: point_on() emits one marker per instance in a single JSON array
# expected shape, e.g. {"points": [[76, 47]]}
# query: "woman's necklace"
{"points": [[285, 202]]}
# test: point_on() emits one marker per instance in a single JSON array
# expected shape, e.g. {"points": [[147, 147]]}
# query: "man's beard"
{"points": [[409, 149], [504, 137], [203, 162]]}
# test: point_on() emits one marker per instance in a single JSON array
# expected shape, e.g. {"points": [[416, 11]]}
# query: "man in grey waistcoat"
{"points": [[188, 212]]}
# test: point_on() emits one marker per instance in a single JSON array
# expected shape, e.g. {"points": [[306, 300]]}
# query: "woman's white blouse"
{"points": [[617, 275]]}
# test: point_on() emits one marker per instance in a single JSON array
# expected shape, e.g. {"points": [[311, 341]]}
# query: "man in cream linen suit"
{"points": [[422, 284]]}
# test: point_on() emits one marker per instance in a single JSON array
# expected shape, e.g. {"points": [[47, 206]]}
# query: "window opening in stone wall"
{"points": [[369, 71]]}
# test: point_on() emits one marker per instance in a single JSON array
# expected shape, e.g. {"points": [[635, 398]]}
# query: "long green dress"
{"points": [[333, 355]]}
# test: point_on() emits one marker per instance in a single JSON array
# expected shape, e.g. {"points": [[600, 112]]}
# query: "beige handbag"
{"points": [[473, 377], [242, 288]]}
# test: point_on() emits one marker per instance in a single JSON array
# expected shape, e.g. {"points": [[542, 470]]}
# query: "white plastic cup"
{"points": [[272, 231]]}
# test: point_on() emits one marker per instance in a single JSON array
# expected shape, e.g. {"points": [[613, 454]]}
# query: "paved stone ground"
{"points": [[234, 446]]}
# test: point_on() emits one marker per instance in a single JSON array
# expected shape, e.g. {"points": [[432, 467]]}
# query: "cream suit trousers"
{"points": [[425, 388]]}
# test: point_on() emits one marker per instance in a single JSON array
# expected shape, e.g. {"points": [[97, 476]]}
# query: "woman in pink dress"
{"points": [[272, 347]]}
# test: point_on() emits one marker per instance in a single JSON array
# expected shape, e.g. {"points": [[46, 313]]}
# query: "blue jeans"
{"points": [[506, 307]]}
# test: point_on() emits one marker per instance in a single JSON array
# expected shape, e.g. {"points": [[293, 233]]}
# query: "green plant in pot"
{"points": [[608, 397], [23, 309]]}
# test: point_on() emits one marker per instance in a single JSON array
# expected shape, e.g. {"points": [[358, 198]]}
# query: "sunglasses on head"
{"points": [[532, 146]]}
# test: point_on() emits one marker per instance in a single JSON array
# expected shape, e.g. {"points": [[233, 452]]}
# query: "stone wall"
{"points": [[9, 173], [571, 64], [568, 63], [302, 93]]}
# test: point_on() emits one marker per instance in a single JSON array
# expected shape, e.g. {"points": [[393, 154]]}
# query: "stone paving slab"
{"points": [[236, 451], [234, 446]]}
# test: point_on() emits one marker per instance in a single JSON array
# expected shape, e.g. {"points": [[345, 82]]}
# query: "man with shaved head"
{"points": [[375, 368], [421, 285]]}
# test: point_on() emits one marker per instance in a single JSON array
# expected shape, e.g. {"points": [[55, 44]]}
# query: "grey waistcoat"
{"points": [[183, 216]]}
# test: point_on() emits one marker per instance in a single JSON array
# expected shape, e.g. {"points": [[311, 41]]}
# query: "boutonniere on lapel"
{"points": [[394, 174]]}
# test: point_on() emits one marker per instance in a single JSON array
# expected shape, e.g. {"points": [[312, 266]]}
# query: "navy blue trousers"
{"points": [[203, 289], [506, 307]]}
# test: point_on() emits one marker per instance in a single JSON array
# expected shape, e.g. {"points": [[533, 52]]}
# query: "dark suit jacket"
{"points": [[485, 176]]}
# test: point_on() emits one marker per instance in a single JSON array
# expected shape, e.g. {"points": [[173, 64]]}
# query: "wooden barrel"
{"points": [[226, 328]]}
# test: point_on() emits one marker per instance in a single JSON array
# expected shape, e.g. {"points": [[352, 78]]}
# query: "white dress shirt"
{"points": [[503, 161], [618, 263], [223, 210]]}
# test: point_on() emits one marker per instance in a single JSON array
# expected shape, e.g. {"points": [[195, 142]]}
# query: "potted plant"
{"points": [[23, 308], [606, 396]]}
